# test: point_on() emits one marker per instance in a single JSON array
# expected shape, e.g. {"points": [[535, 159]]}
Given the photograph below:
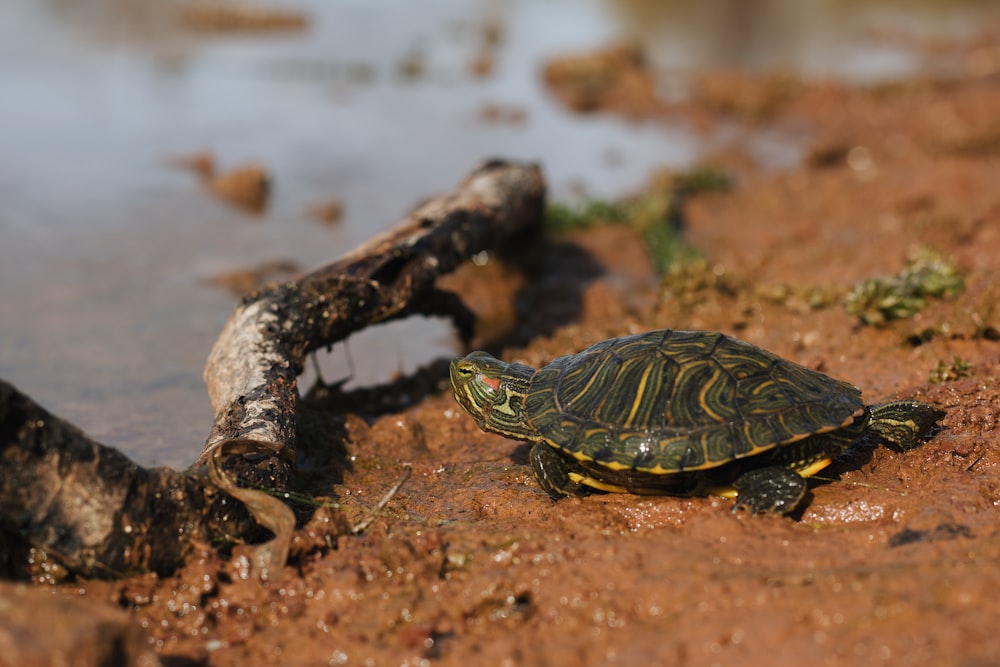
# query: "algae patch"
{"points": [[927, 275], [946, 371], [657, 214]]}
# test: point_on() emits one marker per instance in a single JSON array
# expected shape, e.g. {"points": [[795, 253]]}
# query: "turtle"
{"points": [[685, 413]]}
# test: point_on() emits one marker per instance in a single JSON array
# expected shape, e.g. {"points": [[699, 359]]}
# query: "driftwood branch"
{"points": [[99, 514], [252, 370]]}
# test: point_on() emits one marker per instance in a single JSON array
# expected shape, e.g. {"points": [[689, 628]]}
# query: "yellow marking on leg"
{"points": [[814, 467], [722, 491], [596, 484]]}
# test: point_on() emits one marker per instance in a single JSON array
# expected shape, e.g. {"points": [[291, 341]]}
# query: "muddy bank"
{"points": [[895, 558]]}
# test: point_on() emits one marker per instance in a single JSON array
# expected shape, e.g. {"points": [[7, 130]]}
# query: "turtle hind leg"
{"points": [[903, 424], [553, 469], [770, 490]]}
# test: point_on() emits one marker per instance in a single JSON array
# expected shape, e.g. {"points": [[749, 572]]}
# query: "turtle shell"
{"points": [[668, 401]]}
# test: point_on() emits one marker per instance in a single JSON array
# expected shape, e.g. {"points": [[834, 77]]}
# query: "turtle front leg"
{"points": [[552, 470], [770, 490]]}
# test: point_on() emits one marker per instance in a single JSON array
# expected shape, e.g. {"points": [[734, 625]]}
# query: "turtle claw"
{"points": [[552, 470], [770, 490]]}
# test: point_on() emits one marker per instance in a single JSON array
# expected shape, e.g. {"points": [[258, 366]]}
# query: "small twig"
{"points": [[362, 525]]}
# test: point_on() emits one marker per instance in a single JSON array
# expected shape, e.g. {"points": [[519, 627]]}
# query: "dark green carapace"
{"points": [[679, 412]]}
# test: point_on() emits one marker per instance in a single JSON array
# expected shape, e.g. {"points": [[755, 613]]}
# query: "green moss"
{"points": [[801, 298], [668, 248], [657, 214], [701, 179], [694, 281], [561, 218], [927, 274], [956, 369]]}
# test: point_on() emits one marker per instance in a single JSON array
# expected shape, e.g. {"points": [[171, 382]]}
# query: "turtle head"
{"points": [[493, 392]]}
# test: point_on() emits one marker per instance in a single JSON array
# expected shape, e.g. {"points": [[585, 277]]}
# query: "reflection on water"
{"points": [[106, 249], [861, 41]]}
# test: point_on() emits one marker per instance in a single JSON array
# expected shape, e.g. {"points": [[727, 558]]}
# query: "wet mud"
{"points": [[895, 558]]}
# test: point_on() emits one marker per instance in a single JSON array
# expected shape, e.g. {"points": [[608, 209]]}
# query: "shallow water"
{"points": [[105, 248]]}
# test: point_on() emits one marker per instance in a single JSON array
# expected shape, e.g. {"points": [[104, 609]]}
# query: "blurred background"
{"points": [[122, 120]]}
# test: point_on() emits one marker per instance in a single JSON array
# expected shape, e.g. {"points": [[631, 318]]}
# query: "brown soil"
{"points": [[896, 557]]}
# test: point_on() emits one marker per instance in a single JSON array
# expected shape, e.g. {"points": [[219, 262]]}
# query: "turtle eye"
{"points": [[466, 370]]}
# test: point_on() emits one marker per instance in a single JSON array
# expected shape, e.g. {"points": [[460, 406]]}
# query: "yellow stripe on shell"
{"points": [[586, 388], [703, 394], [638, 395]]}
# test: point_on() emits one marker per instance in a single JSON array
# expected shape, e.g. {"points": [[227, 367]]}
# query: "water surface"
{"points": [[106, 249]]}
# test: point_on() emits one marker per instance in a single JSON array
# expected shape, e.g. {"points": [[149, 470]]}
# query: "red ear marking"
{"points": [[492, 383]]}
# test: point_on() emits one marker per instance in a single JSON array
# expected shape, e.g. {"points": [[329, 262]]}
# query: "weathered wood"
{"points": [[88, 506], [252, 370]]}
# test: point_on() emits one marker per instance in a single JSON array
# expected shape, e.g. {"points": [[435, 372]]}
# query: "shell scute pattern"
{"points": [[670, 401]]}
